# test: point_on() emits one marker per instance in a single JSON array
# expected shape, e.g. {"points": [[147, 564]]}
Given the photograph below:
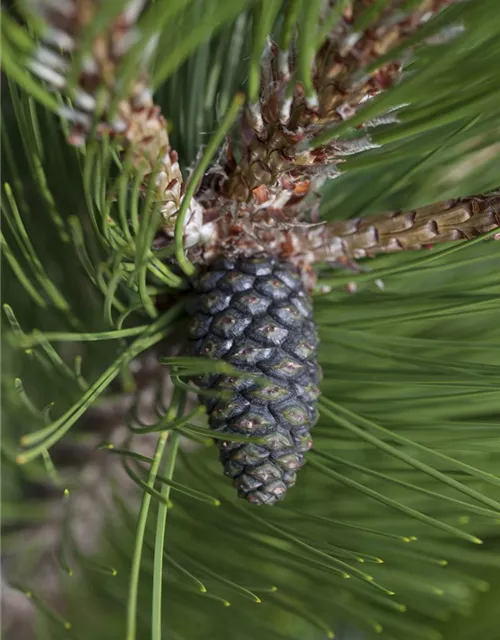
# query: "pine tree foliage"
{"points": [[117, 520]]}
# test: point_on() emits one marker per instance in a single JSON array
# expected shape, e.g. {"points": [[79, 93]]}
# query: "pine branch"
{"points": [[448, 221], [287, 136], [292, 144]]}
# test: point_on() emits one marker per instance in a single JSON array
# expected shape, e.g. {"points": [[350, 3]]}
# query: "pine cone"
{"points": [[255, 314]]}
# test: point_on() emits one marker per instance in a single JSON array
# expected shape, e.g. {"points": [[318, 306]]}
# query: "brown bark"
{"points": [[447, 221]]}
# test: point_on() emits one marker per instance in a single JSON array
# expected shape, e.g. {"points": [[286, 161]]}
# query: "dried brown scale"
{"points": [[138, 123], [341, 87]]}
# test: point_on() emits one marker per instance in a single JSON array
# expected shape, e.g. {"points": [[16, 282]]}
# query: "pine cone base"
{"points": [[255, 314]]}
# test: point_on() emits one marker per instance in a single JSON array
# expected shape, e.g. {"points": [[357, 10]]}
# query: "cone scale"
{"points": [[254, 314]]}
